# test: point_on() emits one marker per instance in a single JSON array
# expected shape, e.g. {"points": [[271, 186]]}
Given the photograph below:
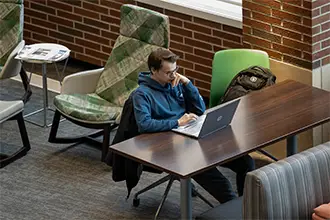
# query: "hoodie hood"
{"points": [[146, 80]]}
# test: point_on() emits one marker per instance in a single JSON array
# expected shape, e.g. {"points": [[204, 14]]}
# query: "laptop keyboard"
{"points": [[195, 126]]}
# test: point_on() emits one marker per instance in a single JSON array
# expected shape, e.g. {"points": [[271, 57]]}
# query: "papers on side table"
{"points": [[43, 52]]}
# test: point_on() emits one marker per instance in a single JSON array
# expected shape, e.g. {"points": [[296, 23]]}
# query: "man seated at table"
{"points": [[166, 99]]}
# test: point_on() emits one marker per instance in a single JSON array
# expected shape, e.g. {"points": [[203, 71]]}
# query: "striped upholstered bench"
{"points": [[288, 189]]}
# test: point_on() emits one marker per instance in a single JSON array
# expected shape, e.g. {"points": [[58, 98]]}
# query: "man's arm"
{"points": [[142, 112], [194, 101]]}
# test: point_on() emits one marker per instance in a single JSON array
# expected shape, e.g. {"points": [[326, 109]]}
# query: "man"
{"points": [[166, 99]]}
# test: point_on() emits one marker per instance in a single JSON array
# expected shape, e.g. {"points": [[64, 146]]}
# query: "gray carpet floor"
{"points": [[57, 181]]}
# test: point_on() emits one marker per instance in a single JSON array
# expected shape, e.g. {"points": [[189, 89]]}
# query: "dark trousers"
{"points": [[219, 186]]}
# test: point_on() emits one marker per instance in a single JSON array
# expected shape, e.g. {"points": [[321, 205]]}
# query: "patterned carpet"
{"points": [[68, 181]]}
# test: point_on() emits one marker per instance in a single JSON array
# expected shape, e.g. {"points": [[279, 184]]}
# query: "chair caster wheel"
{"points": [[136, 202]]}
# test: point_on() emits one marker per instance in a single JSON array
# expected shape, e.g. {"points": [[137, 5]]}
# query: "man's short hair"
{"points": [[157, 57]]}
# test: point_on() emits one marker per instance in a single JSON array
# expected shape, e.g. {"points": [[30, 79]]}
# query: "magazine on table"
{"points": [[40, 53]]}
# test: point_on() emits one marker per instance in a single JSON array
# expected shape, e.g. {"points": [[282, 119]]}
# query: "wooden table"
{"points": [[262, 118]]}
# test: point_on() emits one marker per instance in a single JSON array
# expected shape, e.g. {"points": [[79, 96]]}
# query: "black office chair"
{"points": [[126, 169]]}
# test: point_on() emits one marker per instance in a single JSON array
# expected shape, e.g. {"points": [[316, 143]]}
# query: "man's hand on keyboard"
{"points": [[187, 118]]}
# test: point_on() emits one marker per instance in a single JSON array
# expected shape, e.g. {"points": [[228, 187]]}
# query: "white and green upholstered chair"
{"points": [[94, 99], [11, 34]]}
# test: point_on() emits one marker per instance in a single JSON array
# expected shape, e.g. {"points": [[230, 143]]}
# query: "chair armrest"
{"points": [[82, 82]]}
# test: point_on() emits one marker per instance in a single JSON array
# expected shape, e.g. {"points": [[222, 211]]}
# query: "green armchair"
{"points": [[94, 99]]}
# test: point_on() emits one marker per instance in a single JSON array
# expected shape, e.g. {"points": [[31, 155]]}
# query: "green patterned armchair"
{"points": [[11, 42], [95, 98]]}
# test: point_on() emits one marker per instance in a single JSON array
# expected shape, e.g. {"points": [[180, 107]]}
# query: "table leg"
{"points": [[186, 210], [44, 85], [291, 145]]}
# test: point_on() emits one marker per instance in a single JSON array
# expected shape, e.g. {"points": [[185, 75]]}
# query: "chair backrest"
{"points": [[11, 29], [227, 63], [290, 188], [12, 66], [141, 32]]}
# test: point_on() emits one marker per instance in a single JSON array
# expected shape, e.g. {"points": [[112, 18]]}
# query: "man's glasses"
{"points": [[170, 73]]}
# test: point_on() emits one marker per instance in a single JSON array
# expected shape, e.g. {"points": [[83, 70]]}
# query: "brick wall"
{"points": [[90, 28], [321, 32], [280, 27]]}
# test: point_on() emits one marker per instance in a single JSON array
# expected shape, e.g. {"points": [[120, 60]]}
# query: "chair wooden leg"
{"points": [[106, 140], [55, 124], [26, 84]]}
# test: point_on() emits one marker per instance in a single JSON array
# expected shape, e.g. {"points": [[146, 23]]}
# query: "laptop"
{"points": [[211, 121]]}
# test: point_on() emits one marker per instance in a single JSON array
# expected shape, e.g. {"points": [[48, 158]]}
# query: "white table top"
{"points": [[54, 53]]}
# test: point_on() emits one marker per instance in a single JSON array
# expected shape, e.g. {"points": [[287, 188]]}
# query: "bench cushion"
{"points": [[9, 109], [230, 210]]}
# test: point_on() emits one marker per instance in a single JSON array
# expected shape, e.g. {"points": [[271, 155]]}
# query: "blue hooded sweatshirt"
{"points": [[158, 108]]}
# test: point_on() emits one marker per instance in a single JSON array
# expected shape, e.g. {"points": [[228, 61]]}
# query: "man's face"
{"points": [[166, 74]]}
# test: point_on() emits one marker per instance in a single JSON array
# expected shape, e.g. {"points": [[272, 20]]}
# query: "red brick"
{"points": [[297, 10], [107, 49], [227, 36], [321, 54], [112, 4], [217, 49], [27, 34], [69, 16], [114, 13], [27, 19], [178, 15], [207, 38], [307, 22], [97, 39], [110, 19], [175, 37], [203, 69], [247, 30], [287, 50], [35, 29], [325, 26], [326, 60], [197, 59], [297, 44], [42, 38], [273, 4], [307, 4], [178, 53], [195, 27], [321, 19], [316, 12], [316, 30], [43, 23], [257, 41], [231, 29], [230, 44], [198, 75], [256, 7], [70, 31], [87, 28], [73, 2], [326, 43], [297, 27], [61, 36], [183, 47], [266, 35], [299, 62], [293, 2], [88, 44], [201, 84], [34, 13], [200, 44], [286, 16], [307, 39], [181, 31], [108, 35], [42, 8], [59, 5], [151, 7], [97, 54], [95, 8], [115, 29], [176, 22], [203, 53], [271, 53], [316, 47], [207, 23], [58, 20], [307, 56], [322, 36], [246, 13], [286, 33], [256, 24], [319, 3], [95, 23], [325, 9], [88, 59], [184, 63], [86, 13]]}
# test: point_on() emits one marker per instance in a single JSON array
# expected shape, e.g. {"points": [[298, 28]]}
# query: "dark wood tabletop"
{"points": [[262, 118]]}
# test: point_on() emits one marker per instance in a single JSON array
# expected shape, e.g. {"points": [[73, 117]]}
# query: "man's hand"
{"points": [[186, 118], [179, 78]]}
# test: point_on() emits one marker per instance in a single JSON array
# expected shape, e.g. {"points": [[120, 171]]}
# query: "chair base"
{"points": [[170, 178], [7, 159], [104, 130]]}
